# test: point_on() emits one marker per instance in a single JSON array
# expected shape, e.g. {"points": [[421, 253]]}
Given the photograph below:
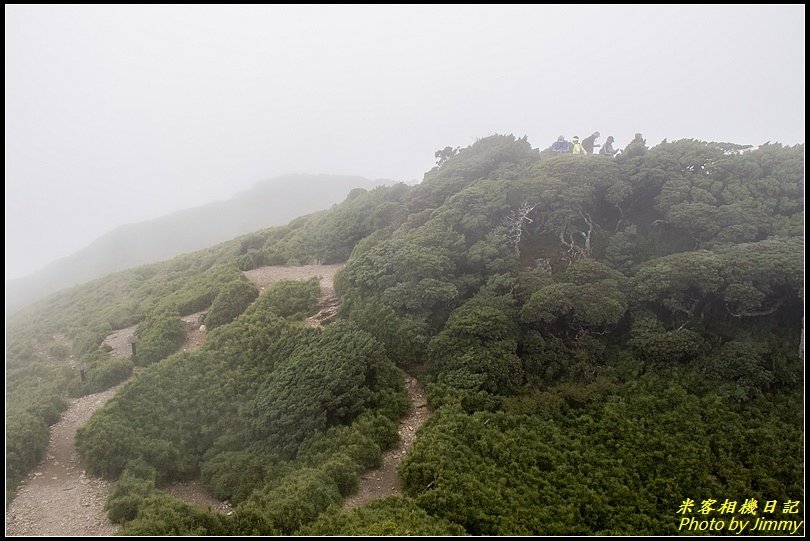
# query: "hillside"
{"points": [[268, 203], [600, 340]]}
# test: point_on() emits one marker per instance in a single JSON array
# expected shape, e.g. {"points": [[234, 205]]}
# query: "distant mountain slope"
{"points": [[269, 203], [598, 339]]}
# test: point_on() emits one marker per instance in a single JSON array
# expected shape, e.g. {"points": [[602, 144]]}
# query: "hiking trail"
{"points": [[384, 481]]}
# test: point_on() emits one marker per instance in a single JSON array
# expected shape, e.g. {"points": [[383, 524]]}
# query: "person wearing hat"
{"points": [[607, 148], [561, 145], [576, 147], [589, 142]]}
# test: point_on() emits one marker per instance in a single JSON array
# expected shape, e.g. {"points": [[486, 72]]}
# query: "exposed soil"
{"points": [[121, 341], [58, 498], [265, 276], [384, 481], [329, 304], [195, 332], [328, 301], [194, 492]]}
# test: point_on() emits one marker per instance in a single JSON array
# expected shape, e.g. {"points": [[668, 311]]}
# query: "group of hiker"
{"points": [[587, 146]]}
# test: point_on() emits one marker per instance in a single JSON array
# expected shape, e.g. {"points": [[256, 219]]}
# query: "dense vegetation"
{"points": [[602, 339], [270, 202]]}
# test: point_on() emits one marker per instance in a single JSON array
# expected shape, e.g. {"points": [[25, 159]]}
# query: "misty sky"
{"points": [[122, 114]]}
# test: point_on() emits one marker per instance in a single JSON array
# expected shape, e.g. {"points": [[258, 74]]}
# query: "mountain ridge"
{"points": [[271, 202], [598, 339]]}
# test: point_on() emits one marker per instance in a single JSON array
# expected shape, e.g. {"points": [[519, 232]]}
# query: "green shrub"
{"points": [[295, 501], [106, 446], [158, 337], [88, 340], [344, 473], [102, 372], [392, 516], [329, 380], [34, 400], [59, 351], [231, 301], [652, 343], [363, 441], [160, 514], [128, 494], [26, 440], [291, 299], [233, 475]]}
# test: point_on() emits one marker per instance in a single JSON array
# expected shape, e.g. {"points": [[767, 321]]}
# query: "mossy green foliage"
{"points": [[159, 336], [601, 460], [34, 400], [230, 302], [391, 516], [634, 346], [37, 385], [291, 299], [102, 371], [328, 380], [329, 237], [160, 514], [276, 416]]}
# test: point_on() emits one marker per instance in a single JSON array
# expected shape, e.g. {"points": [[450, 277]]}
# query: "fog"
{"points": [[120, 114]]}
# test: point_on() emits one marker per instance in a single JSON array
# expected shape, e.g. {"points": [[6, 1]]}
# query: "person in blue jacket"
{"points": [[561, 145]]}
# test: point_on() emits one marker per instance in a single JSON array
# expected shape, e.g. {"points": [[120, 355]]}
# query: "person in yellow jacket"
{"points": [[576, 147]]}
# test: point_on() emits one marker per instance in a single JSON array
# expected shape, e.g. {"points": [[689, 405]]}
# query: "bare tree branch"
{"points": [[587, 217], [515, 224]]}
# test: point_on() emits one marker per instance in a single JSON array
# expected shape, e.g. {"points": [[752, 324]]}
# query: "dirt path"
{"points": [[265, 276], [328, 300], [58, 498], [193, 491], [384, 481], [329, 304], [121, 341], [195, 333]]}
